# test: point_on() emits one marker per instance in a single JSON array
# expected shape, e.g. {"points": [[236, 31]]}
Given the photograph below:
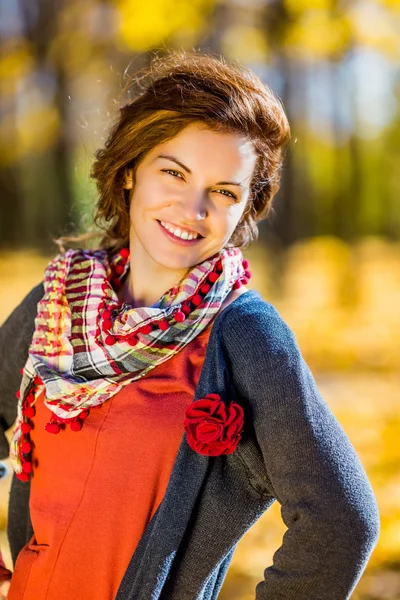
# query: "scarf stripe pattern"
{"points": [[87, 345]]}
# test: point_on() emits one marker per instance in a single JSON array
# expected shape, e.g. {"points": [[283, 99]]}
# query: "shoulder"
{"points": [[17, 329], [15, 337], [25, 312], [233, 295], [252, 326], [26, 309]]}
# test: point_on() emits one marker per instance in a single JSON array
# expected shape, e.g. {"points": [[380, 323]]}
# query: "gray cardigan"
{"points": [[292, 450]]}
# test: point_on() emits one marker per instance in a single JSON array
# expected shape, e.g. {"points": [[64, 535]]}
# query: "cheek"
{"points": [[145, 198], [233, 216], [226, 224], [152, 194]]}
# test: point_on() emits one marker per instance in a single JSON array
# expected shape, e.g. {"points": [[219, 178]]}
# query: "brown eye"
{"points": [[227, 193], [173, 173]]}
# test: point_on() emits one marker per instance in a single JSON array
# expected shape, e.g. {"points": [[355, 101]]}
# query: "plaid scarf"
{"points": [[86, 345]]}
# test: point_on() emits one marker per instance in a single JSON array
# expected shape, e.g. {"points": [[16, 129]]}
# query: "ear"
{"points": [[128, 182]]}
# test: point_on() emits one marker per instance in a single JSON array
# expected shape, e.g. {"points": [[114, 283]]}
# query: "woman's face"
{"points": [[188, 196]]}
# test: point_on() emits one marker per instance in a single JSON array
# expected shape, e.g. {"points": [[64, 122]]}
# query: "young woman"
{"points": [[163, 405]]}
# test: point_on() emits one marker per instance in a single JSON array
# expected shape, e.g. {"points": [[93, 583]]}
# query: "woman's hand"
{"points": [[4, 587]]}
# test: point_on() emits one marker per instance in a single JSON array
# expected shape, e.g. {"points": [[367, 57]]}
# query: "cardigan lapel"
{"points": [[152, 560]]}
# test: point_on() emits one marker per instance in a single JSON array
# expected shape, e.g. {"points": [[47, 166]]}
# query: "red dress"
{"points": [[94, 491]]}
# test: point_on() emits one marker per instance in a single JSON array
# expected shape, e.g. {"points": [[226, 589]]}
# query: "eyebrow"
{"points": [[178, 162]]}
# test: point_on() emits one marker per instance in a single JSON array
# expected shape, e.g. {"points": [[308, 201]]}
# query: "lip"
{"points": [[180, 227], [177, 240]]}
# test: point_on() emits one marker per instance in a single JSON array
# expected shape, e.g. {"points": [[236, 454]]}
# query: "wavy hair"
{"points": [[174, 91]]}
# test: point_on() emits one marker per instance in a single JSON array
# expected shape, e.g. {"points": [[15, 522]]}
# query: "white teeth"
{"points": [[184, 235]]}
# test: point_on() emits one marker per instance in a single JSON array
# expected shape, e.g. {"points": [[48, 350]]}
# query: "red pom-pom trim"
{"points": [[26, 427], [26, 447], [212, 277], [124, 252], [146, 329], [180, 316], [106, 325], [163, 325], [22, 476], [27, 467], [29, 411], [118, 269], [52, 427], [186, 309], [245, 263], [110, 340], [205, 288], [30, 397], [76, 425], [197, 299]]}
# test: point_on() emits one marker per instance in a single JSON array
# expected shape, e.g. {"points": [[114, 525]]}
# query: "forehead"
{"points": [[223, 153]]}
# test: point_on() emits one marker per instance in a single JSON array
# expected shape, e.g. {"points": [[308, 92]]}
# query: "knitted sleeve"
{"points": [[312, 469], [15, 336]]}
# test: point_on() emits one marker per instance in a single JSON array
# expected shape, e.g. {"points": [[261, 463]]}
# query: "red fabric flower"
{"points": [[212, 427]]}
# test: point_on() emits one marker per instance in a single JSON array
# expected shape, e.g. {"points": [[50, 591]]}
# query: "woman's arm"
{"points": [[15, 337], [326, 499]]}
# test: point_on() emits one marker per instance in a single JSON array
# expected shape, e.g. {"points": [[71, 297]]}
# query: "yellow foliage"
{"points": [[353, 292], [19, 273], [8, 147], [15, 63], [72, 49], [316, 34], [146, 25], [377, 28], [393, 5], [32, 131], [37, 129], [317, 29], [246, 44], [298, 7]]}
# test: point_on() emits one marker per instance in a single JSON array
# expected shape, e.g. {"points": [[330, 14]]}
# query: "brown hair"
{"points": [[173, 92]]}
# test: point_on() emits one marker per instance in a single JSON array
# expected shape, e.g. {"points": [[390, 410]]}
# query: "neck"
{"points": [[147, 281]]}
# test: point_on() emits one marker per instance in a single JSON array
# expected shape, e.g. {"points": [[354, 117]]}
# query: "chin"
{"points": [[177, 263]]}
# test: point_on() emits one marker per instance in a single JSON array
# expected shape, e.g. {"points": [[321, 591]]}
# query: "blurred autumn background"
{"points": [[329, 259]]}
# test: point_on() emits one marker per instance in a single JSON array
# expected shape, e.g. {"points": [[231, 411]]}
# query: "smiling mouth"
{"points": [[179, 233], [178, 240]]}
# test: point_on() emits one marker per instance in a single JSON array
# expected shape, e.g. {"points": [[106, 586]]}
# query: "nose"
{"points": [[195, 207]]}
